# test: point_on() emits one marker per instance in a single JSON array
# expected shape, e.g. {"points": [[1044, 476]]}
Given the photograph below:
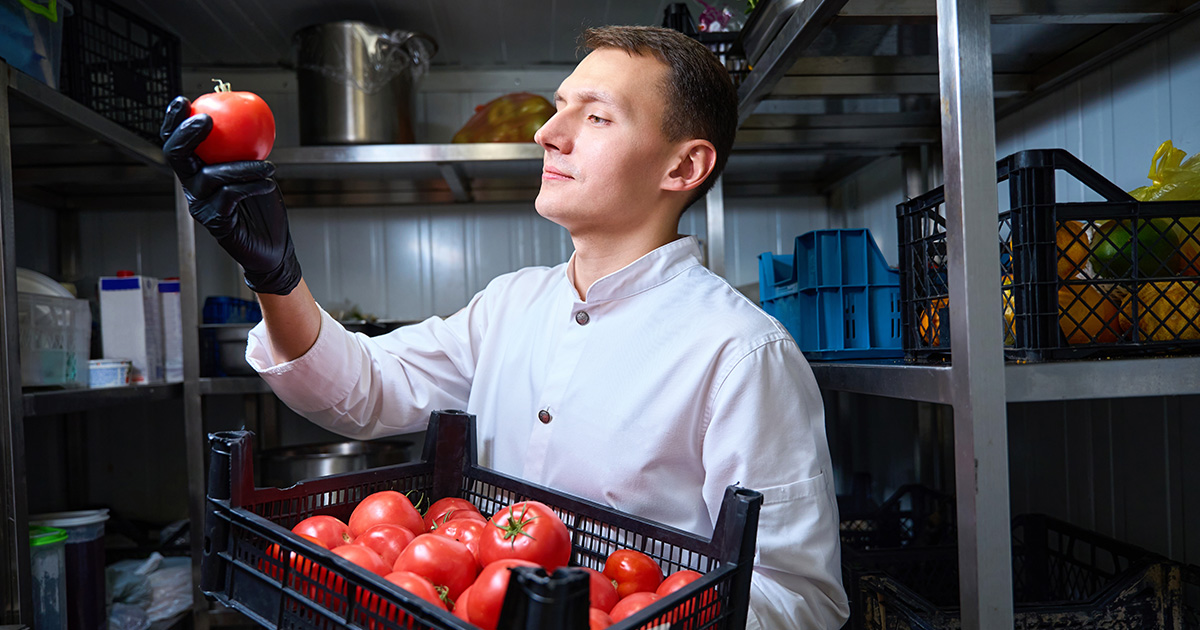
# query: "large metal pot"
{"points": [[283, 467], [356, 82]]}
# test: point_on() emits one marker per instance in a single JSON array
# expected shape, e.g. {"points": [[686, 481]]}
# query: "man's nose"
{"points": [[550, 135]]}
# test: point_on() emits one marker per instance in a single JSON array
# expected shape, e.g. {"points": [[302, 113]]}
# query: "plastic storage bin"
{"points": [[835, 294], [84, 556], [31, 36], [48, 568], [121, 65], [55, 339], [220, 309], [1116, 277], [242, 521]]}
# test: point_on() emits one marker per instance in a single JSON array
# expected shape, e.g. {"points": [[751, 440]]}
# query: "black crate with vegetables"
{"points": [[248, 535], [1117, 277]]}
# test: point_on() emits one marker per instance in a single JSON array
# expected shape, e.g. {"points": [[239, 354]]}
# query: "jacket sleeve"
{"points": [[766, 432], [367, 387]]}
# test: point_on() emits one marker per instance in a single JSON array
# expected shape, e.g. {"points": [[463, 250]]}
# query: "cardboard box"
{"points": [[131, 324], [172, 330]]}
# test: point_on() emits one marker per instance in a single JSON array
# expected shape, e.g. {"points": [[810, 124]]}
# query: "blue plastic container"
{"points": [[835, 294], [219, 309]]}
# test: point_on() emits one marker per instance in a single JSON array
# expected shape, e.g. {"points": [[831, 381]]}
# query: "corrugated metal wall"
{"points": [[1119, 467]]}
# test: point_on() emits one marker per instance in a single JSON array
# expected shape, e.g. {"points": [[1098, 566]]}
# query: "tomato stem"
{"points": [[222, 86]]}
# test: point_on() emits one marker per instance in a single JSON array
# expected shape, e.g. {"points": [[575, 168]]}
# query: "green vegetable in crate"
{"points": [[1157, 244]]}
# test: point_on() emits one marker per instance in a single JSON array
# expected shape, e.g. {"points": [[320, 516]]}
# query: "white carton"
{"points": [[131, 325], [172, 330]]}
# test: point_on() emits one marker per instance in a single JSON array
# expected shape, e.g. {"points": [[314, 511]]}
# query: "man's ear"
{"points": [[692, 164]]}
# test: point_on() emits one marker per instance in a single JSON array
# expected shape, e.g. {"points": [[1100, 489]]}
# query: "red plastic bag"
{"points": [[510, 118]]}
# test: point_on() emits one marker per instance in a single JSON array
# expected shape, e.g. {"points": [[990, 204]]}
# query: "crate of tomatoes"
{"points": [[445, 543]]}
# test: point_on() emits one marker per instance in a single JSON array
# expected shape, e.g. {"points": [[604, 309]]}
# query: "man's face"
{"points": [[606, 154]]}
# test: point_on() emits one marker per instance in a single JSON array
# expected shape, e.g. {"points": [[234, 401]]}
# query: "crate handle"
{"points": [[546, 601]]}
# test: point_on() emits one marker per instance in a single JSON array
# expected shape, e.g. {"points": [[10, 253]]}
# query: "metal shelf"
{"points": [[1026, 382], [233, 385], [48, 403]]}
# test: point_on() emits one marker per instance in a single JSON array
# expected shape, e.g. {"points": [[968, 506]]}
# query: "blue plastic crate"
{"points": [[835, 294], [231, 310]]}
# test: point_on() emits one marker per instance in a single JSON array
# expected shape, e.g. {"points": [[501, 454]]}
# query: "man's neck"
{"points": [[596, 257]]}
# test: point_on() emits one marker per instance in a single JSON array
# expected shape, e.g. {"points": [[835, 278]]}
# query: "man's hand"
{"points": [[237, 202]]}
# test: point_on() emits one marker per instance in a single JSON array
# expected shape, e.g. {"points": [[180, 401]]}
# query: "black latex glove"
{"points": [[237, 202]]}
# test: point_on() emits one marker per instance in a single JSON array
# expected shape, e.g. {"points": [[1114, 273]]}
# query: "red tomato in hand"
{"points": [[528, 530], [487, 593], [598, 619], [243, 126], [631, 604], [387, 540], [447, 509], [330, 530], [418, 586], [603, 592], [386, 506], [441, 560], [466, 531], [364, 557], [633, 571]]}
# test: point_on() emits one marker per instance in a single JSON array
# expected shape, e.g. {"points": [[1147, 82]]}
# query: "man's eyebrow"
{"points": [[591, 96]]}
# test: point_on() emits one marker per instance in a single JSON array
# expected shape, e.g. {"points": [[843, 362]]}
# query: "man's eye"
{"points": [[596, 119]]}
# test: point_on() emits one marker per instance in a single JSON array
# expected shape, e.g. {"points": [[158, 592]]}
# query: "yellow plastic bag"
{"points": [[510, 118], [1176, 179]]}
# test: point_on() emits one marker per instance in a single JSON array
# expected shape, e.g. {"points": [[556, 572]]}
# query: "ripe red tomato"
{"points": [[441, 560], [676, 581], [598, 619], [364, 557], [330, 530], [243, 126], [487, 594], [447, 509], [528, 530], [631, 604], [275, 569], [418, 586], [460, 604], [466, 531], [633, 571], [387, 540], [603, 592], [386, 506]]}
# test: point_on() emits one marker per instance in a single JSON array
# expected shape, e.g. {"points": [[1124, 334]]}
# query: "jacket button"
{"points": [[544, 416], [582, 318]]}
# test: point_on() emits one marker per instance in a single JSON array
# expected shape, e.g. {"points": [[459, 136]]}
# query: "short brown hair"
{"points": [[701, 99]]}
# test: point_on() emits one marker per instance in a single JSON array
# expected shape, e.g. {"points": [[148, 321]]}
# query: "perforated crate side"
{"points": [[245, 521]]}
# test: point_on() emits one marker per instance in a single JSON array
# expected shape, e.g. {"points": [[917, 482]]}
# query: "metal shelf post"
{"points": [[977, 375]]}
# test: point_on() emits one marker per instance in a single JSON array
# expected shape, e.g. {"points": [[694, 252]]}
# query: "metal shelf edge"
{"points": [[78, 115], [929, 383], [45, 403], [406, 153], [1096, 379]]}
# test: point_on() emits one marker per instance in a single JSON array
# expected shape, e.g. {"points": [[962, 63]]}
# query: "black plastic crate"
{"points": [[1063, 577], [243, 522], [1116, 277], [120, 65], [912, 537]]}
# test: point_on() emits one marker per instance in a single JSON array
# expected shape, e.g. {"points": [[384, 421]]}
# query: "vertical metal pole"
{"points": [[980, 424], [193, 412], [715, 220], [16, 590]]}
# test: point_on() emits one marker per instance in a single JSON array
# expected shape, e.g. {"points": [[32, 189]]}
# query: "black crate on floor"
{"points": [[1115, 277], [120, 65], [912, 537], [244, 522], [1064, 577]]}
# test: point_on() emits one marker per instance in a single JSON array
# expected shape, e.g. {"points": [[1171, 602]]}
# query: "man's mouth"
{"points": [[549, 172]]}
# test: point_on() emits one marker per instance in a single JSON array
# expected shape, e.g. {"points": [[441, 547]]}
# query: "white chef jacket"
{"points": [[662, 388]]}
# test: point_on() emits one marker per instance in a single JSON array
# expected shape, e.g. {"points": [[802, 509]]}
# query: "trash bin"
{"points": [[47, 562]]}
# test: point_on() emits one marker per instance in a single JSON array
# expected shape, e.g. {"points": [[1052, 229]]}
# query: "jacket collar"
{"points": [[645, 273]]}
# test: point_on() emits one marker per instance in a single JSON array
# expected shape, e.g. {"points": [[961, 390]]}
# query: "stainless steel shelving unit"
{"points": [[46, 140], [973, 84]]}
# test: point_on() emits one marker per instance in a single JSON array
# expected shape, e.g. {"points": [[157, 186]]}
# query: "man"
{"points": [[631, 375]]}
